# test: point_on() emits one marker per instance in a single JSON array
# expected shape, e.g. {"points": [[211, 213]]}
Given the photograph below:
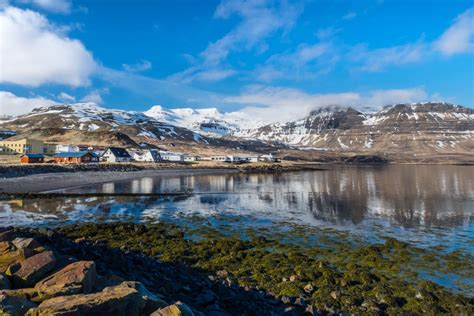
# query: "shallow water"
{"points": [[427, 205]]}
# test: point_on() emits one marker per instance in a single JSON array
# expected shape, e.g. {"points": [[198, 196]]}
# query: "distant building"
{"points": [[32, 158], [116, 154], [147, 155], [49, 149], [218, 158], [170, 156], [268, 158], [252, 158], [75, 157], [21, 146], [190, 158], [66, 148]]}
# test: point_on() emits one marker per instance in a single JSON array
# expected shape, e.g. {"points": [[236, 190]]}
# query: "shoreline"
{"points": [[50, 182]]}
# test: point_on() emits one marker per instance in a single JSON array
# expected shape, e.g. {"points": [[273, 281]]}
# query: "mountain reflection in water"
{"points": [[400, 196]]}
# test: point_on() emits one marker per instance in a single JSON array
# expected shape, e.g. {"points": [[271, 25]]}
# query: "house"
{"points": [[49, 149], [21, 146], [148, 155], [32, 158], [235, 159], [218, 158], [252, 158], [268, 158], [170, 156], [116, 154], [189, 158], [66, 148], [75, 157]]}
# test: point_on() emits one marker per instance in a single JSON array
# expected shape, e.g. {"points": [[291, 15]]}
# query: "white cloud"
{"points": [[138, 67], [349, 16], [56, 6], [258, 20], [274, 104], [93, 96], [378, 59], [307, 61], [459, 37], [63, 96], [11, 104], [35, 52]]}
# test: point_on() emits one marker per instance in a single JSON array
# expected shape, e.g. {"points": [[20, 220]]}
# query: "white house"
{"points": [[148, 155], [268, 158], [66, 148], [170, 156], [252, 158], [116, 154], [190, 158], [218, 158]]}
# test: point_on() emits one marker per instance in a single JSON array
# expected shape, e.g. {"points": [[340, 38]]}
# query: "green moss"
{"points": [[344, 273]]}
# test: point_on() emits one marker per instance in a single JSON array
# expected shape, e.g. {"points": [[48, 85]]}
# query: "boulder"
{"points": [[120, 300], [4, 282], [78, 277], [149, 301], [9, 254], [177, 309], [6, 235], [14, 306], [28, 293], [29, 271], [25, 243]]}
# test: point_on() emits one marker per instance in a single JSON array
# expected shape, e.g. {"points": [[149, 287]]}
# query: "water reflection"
{"points": [[410, 197]]}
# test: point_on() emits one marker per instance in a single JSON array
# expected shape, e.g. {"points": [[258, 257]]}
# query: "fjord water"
{"points": [[428, 205]]}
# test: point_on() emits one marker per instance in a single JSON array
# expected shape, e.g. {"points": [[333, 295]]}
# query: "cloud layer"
{"points": [[34, 52]]}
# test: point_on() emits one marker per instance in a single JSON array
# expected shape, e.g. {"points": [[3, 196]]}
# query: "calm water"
{"points": [[428, 205]]}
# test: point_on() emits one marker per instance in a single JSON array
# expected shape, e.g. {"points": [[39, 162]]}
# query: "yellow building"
{"points": [[21, 146]]}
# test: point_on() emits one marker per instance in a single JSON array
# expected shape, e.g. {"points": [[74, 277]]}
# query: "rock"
{"points": [[177, 309], [29, 271], [206, 297], [6, 235], [4, 282], [14, 306], [28, 293], [26, 243], [308, 288], [222, 273], [9, 254], [78, 277], [300, 301], [335, 294], [286, 299], [149, 301], [293, 278], [120, 300]]}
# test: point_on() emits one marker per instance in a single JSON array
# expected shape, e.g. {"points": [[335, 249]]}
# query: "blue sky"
{"points": [[268, 58]]}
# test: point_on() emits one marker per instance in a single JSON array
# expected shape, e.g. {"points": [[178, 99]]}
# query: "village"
{"points": [[30, 151]]}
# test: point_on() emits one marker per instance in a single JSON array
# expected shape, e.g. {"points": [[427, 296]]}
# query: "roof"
{"points": [[119, 152], [33, 155], [76, 154]]}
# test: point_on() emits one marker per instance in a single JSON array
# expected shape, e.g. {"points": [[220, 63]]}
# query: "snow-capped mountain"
{"points": [[440, 127], [87, 120], [209, 121]]}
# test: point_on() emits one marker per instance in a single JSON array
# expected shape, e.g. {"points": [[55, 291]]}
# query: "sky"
{"points": [[272, 60]]}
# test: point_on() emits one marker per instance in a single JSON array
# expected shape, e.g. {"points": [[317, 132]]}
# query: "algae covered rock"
{"points": [[14, 306], [177, 309], [29, 271], [9, 254], [77, 277]]}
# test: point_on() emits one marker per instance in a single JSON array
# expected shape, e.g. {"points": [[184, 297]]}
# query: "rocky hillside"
{"points": [[87, 123], [403, 128]]}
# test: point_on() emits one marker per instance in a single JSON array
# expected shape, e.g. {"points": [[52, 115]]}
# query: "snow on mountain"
{"points": [[208, 121], [429, 126]]}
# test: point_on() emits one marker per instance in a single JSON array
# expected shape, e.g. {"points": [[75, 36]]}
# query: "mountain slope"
{"points": [[87, 123], [210, 122], [420, 128]]}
